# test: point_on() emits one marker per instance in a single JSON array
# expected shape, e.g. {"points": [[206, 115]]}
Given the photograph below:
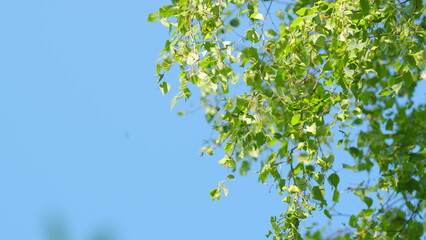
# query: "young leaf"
{"points": [[215, 194], [385, 92], [295, 119], [293, 189], [397, 87], [227, 161], [296, 22], [257, 15], [152, 17], [173, 102]]}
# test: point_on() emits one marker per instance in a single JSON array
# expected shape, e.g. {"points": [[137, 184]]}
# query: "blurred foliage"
{"points": [[56, 229]]}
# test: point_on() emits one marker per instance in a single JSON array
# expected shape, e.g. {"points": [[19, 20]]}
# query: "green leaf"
{"points": [[164, 87], [368, 201], [327, 213], [215, 194], [207, 150], [318, 193], [302, 11], [231, 177], [304, 158], [228, 147], [353, 221], [306, 11], [312, 129], [385, 92], [280, 14], [235, 22], [192, 58], [270, 33], [407, 78], [245, 166], [295, 119], [260, 139], [227, 161], [336, 195], [389, 125], [173, 102], [365, 6], [408, 9], [357, 112], [293, 189], [353, 168], [319, 40], [296, 22], [165, 22], [225, 191], [334, 179], [339, 143], [257, 16], [397, 87], [252, 36], [278, 135], [152, 17]]}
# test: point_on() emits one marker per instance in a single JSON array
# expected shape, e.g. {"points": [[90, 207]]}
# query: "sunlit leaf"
{"points": [[295, 119]]}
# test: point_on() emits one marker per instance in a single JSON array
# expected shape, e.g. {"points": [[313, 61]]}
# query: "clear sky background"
{"points": [[88, 141]]}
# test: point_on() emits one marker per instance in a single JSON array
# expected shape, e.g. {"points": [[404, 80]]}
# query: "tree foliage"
{"points": [[285, 83]]}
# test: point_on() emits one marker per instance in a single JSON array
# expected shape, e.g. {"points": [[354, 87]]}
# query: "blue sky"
{"points": [[87, 138]]}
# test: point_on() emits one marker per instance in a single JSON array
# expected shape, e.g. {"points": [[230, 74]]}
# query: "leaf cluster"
{"points": [[284, 84]]}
